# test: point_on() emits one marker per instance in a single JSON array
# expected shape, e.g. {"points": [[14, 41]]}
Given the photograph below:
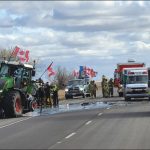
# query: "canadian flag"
{"points": [[23, 55], [15, 51], [75, 73], [89, 72], [50, 70]]}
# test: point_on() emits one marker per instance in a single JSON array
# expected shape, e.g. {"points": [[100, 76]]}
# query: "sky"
{"points": [[96, 34]]}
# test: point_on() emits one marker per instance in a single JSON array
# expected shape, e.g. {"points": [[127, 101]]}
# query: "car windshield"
{"points": [[137, 79], [75, 82]]}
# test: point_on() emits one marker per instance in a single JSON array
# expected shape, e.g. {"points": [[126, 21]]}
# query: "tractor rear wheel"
{"points": [[12, 104]]}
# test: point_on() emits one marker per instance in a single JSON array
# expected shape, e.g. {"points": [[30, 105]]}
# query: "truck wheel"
{"points": [[127, 98], [12, 104], [66, 97], [120, 94]]}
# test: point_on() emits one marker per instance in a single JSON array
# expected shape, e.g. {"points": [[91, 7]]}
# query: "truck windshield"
{"points": [[75, 82], [10, 70], [137, 79]]}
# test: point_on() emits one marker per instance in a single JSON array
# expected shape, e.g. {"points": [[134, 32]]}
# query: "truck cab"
{"points": [[135, 83]]}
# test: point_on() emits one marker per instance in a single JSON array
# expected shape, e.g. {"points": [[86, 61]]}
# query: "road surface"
{"points": [[124, 125]]}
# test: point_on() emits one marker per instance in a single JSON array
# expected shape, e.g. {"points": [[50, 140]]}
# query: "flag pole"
{"points": [[46, 69]]}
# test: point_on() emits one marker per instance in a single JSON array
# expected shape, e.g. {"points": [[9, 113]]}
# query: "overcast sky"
{"points": [[97, 34]]}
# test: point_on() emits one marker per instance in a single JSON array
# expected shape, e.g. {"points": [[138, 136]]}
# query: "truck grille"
{"points": [[143, 88], [137, 91], [74, 90]]}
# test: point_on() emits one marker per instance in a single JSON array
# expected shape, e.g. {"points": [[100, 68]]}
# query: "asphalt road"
{"points": [[122, 126]]}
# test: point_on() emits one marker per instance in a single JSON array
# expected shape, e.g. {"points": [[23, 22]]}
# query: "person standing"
{"points": [[55, 96], [102, 84], [94, 89], [111, 85], [90, 88], [106, 88], [47, 94]]}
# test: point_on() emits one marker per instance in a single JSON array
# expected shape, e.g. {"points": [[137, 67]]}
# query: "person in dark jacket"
{"points": [[47, 94], [55, 96]]}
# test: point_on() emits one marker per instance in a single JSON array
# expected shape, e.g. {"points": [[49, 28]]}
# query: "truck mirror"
{"points": [[33, 73]]}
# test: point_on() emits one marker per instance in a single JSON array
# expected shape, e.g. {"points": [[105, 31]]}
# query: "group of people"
{"points": [[107, 87], [47, 94]]}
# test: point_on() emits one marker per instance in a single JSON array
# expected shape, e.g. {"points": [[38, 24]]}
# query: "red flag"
{"points": [[27, 55], [50, 71], [76, 73], [15, 51], [87, 71], [23, 55]]}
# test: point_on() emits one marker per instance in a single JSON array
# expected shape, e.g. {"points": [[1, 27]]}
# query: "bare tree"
{"points": [[5, 53], [62, 76]]}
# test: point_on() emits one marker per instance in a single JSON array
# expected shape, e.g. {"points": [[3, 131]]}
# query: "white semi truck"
{"points": [[135, 83]]}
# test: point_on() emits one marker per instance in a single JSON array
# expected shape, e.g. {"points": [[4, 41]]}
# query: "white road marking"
{"points": [[59, 142], [70, 135], [88, 122], [14, 123], [100, 114]]}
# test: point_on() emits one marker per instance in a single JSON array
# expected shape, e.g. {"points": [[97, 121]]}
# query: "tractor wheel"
{"points": [[12, 104], [33, 105], [83, 96]]}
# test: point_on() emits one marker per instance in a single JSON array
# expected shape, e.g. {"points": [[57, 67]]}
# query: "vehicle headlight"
{"points": [[66, 90], [81, 89], [121, 85]]}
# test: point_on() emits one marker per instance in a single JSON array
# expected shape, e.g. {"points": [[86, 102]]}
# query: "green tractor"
{"points": [[17, 89]]}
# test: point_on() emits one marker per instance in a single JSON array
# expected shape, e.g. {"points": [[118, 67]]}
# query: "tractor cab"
{"points": [[21, 73], [15, 88]]}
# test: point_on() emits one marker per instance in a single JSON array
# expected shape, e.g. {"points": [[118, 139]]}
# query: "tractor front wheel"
{"points": [[12, 104], [33, 105]]}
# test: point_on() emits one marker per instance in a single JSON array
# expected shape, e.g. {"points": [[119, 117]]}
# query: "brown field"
{"points": [[61, 94]]}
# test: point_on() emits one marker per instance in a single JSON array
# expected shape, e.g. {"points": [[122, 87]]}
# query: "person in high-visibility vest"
{"points": [[111, 87]]}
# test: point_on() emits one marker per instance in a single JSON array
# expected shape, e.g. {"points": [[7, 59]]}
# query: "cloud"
{"points": [[72, 33]]}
